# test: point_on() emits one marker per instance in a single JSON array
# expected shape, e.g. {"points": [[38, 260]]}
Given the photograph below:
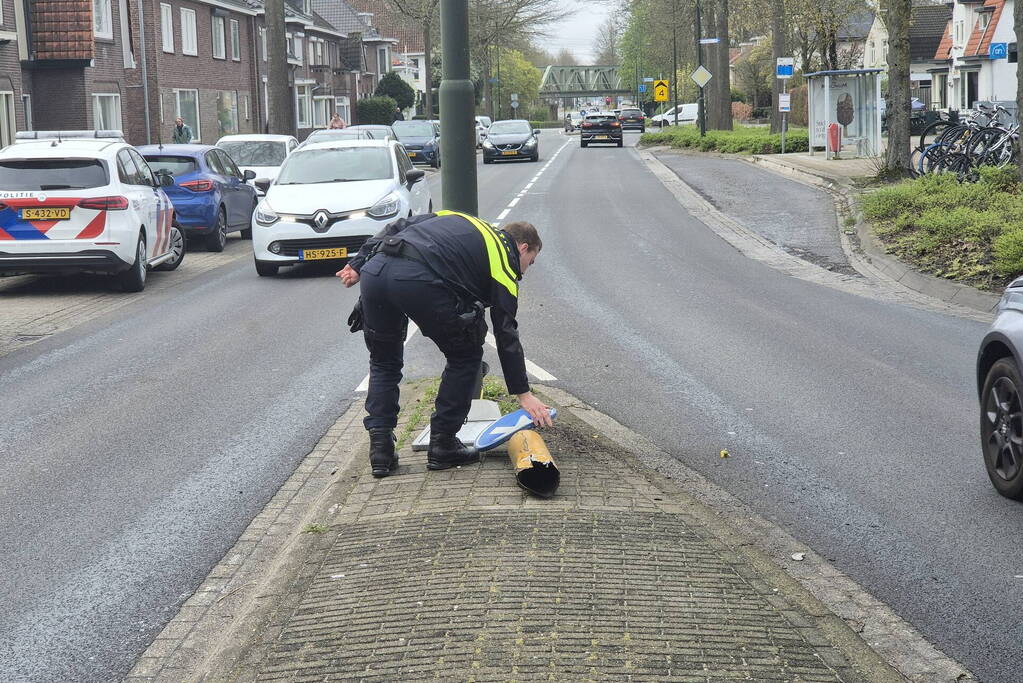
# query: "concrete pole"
{"points": [[457, 129], [279, 104], [674, 55], [701, 113]]}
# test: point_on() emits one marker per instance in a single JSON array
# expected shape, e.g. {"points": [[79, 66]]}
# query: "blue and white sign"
{"points": [[998, 51], [502, 430], [642, 88], [786, 67], [647, 79]]}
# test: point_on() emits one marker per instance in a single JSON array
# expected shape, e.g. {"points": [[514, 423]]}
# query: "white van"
{"points": [[687, 113]]}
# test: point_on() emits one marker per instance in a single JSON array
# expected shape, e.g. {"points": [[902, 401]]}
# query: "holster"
{"points": [[473, 321]]}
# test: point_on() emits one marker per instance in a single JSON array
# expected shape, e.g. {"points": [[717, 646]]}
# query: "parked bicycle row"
{"points": [[963, 146]]}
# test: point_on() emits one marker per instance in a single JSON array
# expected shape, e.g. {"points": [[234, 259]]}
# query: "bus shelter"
{"points": [[844, 110]]}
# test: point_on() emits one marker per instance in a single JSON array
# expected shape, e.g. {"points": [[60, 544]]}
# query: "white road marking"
{"points": [[512, 204], [412, 329], [501, 216], [531, 367]]}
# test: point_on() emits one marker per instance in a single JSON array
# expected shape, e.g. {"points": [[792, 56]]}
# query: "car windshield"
{"points": [[509, 128], [413, 129], [324, 135], [630, 112], [256, 152], [602, 118], [336, 165], [52, 174], [175, 165]]}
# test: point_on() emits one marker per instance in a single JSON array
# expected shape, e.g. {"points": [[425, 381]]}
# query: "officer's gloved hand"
{"points": [[536, 409]]}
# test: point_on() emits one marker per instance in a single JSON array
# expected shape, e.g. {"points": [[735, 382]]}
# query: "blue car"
{"points": [[421, 140], [211, 196]]}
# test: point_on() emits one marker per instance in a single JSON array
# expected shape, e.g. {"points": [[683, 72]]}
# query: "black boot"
{"points": [[447, 451], [382, 457]]}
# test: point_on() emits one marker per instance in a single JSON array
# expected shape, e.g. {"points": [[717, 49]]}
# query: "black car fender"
{"points": [[998, 344]]}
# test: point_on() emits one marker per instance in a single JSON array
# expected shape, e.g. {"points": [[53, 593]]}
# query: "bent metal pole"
{"points": [[535, 470], [457, 127]]}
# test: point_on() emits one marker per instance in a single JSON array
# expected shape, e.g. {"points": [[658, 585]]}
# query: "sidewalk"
{"points": [[459, 575]]}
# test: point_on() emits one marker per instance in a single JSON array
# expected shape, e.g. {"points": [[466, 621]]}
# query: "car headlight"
{"points": [[386, 207], [488, 144], [531, 142], [264, 215]]}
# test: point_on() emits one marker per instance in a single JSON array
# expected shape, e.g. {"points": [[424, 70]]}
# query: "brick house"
{"points": [[408, 55], [969, 69], [12, 94], [368, 52]]}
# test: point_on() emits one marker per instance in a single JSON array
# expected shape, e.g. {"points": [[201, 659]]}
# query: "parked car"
{"points": [[1000, 389], [687, 113], [85, 205], [330, 197], [632, 117], [421, 140], [572, 121], [335, 134], [376, 131], [261, 154], [211, 194], [600, 128], [512, 139], [482, 123]]}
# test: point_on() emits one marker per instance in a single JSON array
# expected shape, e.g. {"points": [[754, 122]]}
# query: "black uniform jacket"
{"points": [[476, 258]]}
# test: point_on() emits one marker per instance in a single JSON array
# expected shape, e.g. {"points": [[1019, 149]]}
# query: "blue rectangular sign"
{"points": [[642, 88], [998, 51]]}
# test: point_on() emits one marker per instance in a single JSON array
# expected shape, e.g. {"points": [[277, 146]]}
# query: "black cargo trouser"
{"points": [[394, 290]]}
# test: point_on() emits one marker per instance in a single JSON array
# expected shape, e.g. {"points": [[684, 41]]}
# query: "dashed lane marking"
{"points": [[532, 368]]}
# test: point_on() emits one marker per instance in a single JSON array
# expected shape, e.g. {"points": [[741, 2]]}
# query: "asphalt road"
{"points": [[138, 445]]}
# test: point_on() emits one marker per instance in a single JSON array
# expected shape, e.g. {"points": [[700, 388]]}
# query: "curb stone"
{"points": [[874, 261], [840, 606]]}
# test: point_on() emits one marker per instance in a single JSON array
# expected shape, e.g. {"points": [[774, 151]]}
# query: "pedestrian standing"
{"points": [[441, 271], [336, 121], [398, 116], [182, 133]]}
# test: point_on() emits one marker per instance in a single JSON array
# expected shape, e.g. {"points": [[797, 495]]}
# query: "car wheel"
{"points": [[247, 232], [643, 129], [1001, 428], [177, 246], [582, 144], [487, 161], [621, 142], [535, 157], [134, 279], [266, 269], [217, 240]]}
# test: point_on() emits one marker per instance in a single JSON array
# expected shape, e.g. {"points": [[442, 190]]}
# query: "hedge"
{"points": [[742, 140], [547, 124], [970, 232], [379, 110]]}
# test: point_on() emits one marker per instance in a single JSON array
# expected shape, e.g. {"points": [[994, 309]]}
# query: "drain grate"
{"points": [[30, 337]]}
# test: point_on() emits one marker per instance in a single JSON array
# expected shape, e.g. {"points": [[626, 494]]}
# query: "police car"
{"points": [[75, 201]]}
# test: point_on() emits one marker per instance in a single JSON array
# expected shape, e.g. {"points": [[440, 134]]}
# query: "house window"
{"points": [[189, 44], [1013, 54], [382, 65], [26, 103], [303, 105], [102, 20], [297, 49], [106, 111], [186, 105], [167, 27], [343, 107], [321, 111], [884, 52], [219, 37], [985, 19], [7, 121], [227, 112], [236, 41], [262, 41], [319, 52]]}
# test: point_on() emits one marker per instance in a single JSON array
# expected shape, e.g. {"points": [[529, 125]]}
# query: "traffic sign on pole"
{"points": [[514, 104], [642, 87], [660, 91], [785, 67], [784, 102], [514, 97], [701, 76], [647, 79], [709, 41]]}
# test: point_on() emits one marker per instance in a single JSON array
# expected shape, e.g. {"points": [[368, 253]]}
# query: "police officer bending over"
{"points": [[441, 270]]}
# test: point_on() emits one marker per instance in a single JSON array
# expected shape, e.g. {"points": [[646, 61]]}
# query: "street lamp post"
{"points": [[674, 55], [458, 138], [699, 62]]}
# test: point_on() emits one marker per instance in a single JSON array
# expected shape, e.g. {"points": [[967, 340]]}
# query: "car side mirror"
{"points": [[166, 179], [536, 131], [249, 174], [414, 176], [263, 184]]}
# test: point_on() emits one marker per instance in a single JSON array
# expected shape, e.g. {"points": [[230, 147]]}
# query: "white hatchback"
{"points": [[330, 197], [73, 205], [261, 154]]}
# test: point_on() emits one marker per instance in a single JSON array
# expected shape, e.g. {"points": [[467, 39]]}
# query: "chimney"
{"points": [[367, 18]]}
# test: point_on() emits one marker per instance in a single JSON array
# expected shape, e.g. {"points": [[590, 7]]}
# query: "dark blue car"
{"points": [[421, 140], [210, 194]]}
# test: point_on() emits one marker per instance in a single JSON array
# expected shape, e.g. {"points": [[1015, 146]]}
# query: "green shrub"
{"points": [[547, 124], [742, 140], [397, 88], [1008, 252], [379, 110]]}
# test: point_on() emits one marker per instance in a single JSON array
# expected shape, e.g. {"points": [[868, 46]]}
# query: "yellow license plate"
{"points": [[320, 254], [411, 154], [509, 153], [46, 214], [602, 137]]}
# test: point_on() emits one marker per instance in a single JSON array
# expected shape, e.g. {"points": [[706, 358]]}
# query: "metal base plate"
{"points": [[482, 414]]}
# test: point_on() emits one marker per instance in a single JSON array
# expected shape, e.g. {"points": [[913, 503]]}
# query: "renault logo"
{"points": [[320, 218]]}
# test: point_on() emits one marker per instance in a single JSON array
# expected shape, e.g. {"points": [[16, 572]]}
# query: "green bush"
{"points": [[379, 110], [397, 88], [971, 232], [547, 124], [742, 140]]}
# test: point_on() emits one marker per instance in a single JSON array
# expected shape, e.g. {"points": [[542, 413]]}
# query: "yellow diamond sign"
{"points": [[701, 76]]}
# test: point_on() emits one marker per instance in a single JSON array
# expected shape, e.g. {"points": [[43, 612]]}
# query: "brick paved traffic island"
{"points": [[460, 575]]}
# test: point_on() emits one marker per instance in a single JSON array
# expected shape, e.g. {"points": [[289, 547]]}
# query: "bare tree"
{"points": [[422, 13], [280, 105], [607, 43], [565, 58], [897, 156]]}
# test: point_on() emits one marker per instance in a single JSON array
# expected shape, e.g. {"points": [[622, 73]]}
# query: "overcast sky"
{"points": [[578, 30]]}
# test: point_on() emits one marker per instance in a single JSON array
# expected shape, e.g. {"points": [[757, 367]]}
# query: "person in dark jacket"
{"points": [[441, 270], [182, 133], [397, 115]]}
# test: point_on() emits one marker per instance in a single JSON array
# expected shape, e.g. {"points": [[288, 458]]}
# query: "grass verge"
{"points": [[968, 232], [424, 405], [742, 140]]}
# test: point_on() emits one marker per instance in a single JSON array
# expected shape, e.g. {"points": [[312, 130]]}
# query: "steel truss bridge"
{"points": [[567, 82]]}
